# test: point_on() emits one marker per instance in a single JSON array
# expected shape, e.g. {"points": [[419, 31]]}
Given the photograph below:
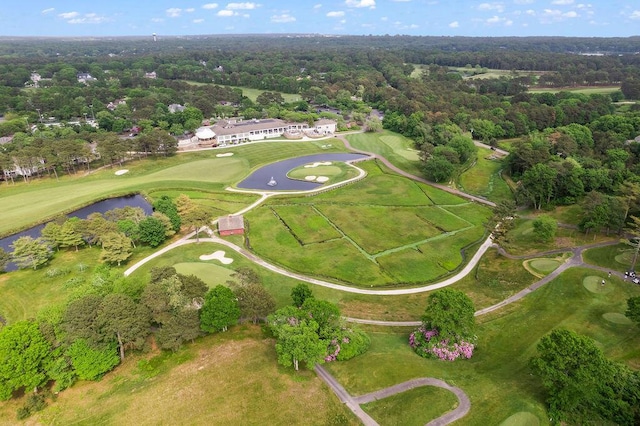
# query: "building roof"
{"points": [[226, 128], [324, 121], [205, 133], [229, 223]]}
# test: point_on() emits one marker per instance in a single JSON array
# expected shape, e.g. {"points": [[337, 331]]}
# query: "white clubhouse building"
{"points": [[236, 131]]}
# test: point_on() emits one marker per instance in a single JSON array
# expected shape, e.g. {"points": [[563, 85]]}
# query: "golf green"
{"points": [[521, 418], [594, 285], [544, 265], [211, 274], [616, 318]]}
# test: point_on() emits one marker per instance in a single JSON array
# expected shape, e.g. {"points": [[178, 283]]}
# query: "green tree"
{"points": [[502, 221], [299, 341], [538, 184], [79, 320], [166, 206], [116, 248], [183, 325], [254, 301], [451, 312], [633, 240], [438, 169], [51, 234], [121, 319], [582, 385], [90, 363], [545, 228], [24, 354], [30, 253], [633, 309], [300, 293], [152, 231], [325, 314], [196, 218], [220, 310], [71, 234]]}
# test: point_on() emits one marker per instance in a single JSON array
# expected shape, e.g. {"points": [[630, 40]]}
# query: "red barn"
{"points": [[231, 225]]}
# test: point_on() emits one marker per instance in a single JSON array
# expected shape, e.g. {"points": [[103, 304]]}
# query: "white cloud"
{"points": [[338, 14], [283, 19], [173, 12], [158, 20], [225, 12], [361, 3], [343, 21], [384, 19], [400, 1], [562, 2], [190, 10], [531, 12], [523, 1], [454, 24], [497, 20], [88, 18], [571, 14], [635, 14], [317, 6], [492, 6], [210, 6], [494, 20], [45, 11], [69, 15], [198, 21], [242, 6]]}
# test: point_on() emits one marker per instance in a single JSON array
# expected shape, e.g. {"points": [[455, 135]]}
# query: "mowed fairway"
{"points": [[484, 178], [400, 151], [226, 379], [26, 204], [380, 231]]}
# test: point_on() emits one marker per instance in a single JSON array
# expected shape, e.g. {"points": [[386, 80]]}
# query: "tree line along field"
{"points": [[382, 230]]}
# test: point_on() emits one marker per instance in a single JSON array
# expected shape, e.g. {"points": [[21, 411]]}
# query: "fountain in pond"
{"points": [[272, 182]]}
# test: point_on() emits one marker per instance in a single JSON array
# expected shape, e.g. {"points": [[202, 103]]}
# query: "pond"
{"points": [[97, 207], [261, 178]]}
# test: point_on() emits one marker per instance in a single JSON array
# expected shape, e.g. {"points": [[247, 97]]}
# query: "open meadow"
{"points": [[399, 150], [484, 178]]}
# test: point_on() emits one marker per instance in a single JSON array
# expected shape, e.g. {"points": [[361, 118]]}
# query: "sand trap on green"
{"points": [[322, 179], [319, 170], [594, 285], [211, 274], [310, 178], [217, 255], [521, 418], [318, 163], [226, 154], [616, 318], [121, 172], [544, 265]]}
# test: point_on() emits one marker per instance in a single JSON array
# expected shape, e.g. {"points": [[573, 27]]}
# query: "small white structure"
{"points": [[205, 134]]}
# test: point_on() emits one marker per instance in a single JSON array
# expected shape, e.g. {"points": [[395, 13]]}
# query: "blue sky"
{"points": [[594, 18]]}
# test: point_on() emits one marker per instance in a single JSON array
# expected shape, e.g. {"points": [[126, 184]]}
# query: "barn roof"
{"points": [[228, 223]]}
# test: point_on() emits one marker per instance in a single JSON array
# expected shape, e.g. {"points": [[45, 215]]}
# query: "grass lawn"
{"points": [[617, 257], [414, 407], [399, 150], [254, 93], [522, 239], [497, 379], [227, 378], [570, 215], [412, 241], [585, 90], [26, 204], [484, 178]]}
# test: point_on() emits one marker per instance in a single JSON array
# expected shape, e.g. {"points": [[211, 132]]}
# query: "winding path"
{"points": [[354, 402]]}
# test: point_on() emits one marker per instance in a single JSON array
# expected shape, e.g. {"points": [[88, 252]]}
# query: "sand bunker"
{"points": [[322, 179], [310, 178], [226, 154], [318, 163], [217, 255], [121, 172]]}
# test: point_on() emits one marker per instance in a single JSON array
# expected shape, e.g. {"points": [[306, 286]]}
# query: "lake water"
{"points": [[278, 171], [98, 207]]}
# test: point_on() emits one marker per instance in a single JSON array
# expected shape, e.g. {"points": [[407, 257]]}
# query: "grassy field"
{"points": [[412, 241], [603, 90], [227, 378], [414, 407], [400, 151], [26, 204], [497, 379], [484, 178]]}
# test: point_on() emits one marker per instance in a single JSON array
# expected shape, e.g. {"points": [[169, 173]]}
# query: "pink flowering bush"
{"points": [[426, 344]]}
